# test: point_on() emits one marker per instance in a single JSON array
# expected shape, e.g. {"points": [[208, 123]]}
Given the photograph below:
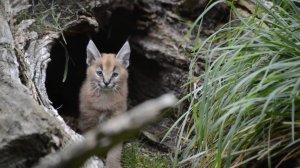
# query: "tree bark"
{"points": [[30, 127]]}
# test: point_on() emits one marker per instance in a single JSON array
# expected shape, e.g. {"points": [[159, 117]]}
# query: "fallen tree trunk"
{"points": [[30, 126]]}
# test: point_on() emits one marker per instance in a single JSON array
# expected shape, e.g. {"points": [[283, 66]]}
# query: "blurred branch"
{"points": [[99, 140]]}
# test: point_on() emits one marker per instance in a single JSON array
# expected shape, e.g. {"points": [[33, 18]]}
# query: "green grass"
{"points": [[136, 155], [245, 107]]}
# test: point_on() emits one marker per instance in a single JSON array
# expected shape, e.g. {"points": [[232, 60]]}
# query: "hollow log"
{"points": [[37, 88]]}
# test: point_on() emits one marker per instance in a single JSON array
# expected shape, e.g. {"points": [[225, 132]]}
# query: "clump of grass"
{"points": [[247, 107], [135, 155], [49, 15]]}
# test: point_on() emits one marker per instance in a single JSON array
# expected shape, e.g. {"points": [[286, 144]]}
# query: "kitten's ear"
{"points": [[124, 54], [91, 53]]}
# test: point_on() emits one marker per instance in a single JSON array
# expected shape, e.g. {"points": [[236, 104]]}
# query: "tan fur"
{"points": [[98, 105]]}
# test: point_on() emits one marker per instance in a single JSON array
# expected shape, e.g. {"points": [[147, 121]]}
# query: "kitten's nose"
{"points": [[106, 83]]}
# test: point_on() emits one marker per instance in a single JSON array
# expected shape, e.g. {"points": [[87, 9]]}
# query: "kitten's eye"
{"points": [[100, 73], [115, 74]]}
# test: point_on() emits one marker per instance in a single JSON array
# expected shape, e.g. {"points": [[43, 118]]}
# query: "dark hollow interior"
{"points": [[143, 73]]}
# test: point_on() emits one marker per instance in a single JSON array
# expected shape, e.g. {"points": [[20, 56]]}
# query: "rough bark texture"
{"points": [[26, 129], [30, 127]]}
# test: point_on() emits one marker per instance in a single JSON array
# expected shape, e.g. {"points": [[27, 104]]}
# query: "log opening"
{"points": [[144, 74]]}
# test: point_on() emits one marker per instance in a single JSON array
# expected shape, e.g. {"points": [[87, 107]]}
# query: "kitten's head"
{"points": [[107, 71]]}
